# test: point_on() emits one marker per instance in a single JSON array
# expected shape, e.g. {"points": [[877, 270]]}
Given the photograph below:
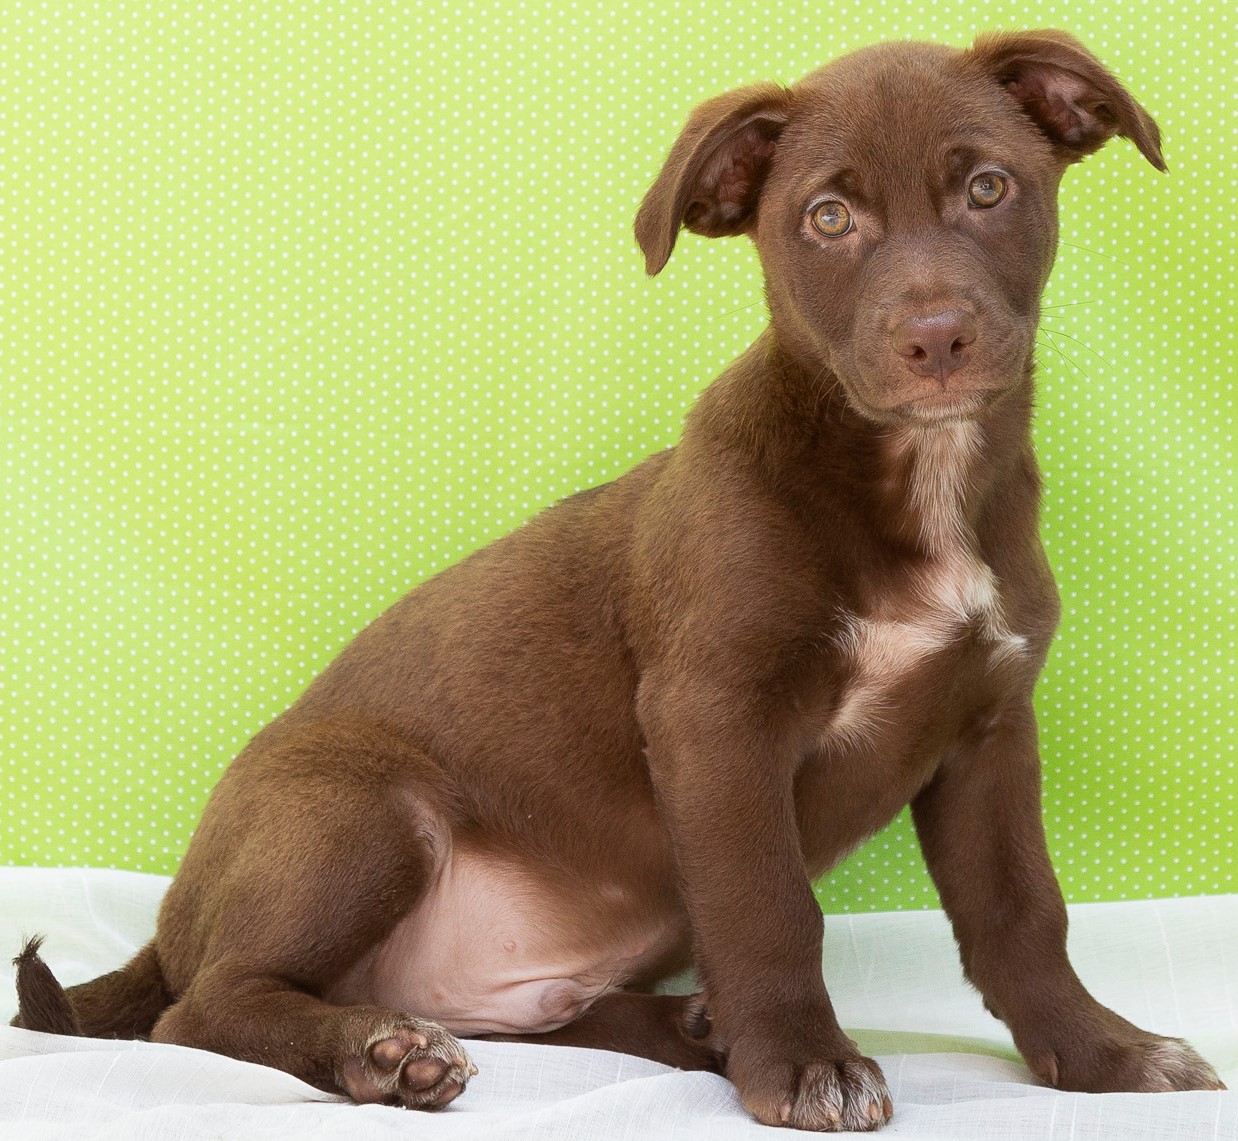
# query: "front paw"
{"points": [[837, 1090], [1113, 1056]]}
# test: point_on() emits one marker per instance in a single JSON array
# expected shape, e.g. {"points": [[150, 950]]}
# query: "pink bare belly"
{"points": [[494, 948]]}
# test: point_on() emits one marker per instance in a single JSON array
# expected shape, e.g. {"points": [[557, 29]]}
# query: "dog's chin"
{"points": [[943, 408], [929, 410]]}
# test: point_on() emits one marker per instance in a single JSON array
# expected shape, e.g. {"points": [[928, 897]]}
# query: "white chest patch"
{"points": [[952, 593]]}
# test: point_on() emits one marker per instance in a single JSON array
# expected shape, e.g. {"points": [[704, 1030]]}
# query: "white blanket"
{"points": [[1168, 965]]}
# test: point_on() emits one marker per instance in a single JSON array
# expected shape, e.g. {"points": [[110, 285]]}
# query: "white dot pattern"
{"points": [[303, 301]]}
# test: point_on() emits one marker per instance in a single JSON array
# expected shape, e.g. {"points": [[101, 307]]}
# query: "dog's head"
{"points": [[903, 201]]}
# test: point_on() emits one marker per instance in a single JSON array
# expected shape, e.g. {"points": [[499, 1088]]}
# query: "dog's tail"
{"points": [[123, 1004]]}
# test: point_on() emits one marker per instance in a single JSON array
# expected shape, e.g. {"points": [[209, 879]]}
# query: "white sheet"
{"points": [[1169, 965]]}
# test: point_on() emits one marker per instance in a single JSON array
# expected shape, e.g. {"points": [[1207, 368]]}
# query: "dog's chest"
{"points": [[927, 644], [908, 658]]}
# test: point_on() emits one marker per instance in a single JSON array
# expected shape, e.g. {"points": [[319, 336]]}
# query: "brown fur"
{"points": [[633, 731]]}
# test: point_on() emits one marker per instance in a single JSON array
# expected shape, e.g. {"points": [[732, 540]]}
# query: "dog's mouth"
{"points": [[945, 407], [934, 407]]}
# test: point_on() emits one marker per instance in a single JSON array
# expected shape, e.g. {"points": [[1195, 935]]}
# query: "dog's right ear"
{"points": [[713, 175]]}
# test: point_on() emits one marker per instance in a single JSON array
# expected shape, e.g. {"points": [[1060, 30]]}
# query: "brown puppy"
{"points": [[629, 735]]}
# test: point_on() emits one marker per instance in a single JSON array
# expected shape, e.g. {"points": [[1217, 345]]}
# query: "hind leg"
{"points": [[668, 1028], [365, 1052], [311, 849]]}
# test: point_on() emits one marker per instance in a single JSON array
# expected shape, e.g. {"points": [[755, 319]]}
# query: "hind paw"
{"points": [[411, 1062]]}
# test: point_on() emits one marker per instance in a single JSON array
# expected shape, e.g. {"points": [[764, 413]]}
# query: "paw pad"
{"points": [[414, 1063]]}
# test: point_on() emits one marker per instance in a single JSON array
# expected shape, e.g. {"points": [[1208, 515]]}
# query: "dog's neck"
{"points": [[922, 486], [929, 483]]}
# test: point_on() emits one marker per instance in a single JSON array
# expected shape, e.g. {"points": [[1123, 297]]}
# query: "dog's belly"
{"points": [[493, 949]]}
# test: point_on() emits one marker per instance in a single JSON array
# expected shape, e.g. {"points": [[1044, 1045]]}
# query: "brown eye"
{"points": [[986, 190], [832, 219]]}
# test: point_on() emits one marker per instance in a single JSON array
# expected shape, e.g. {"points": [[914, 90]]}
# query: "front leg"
{"points": [[723, 781], [980, 826]]}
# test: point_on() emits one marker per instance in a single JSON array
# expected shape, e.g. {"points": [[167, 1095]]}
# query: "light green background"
{"points": [[302, 302]]}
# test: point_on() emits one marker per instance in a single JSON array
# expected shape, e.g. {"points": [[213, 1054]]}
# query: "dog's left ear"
{"points": [[1067, 92], [714, 173]]}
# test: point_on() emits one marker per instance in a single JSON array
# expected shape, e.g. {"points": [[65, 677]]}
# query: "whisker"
{"points": [[829, 392], [1068, 360], [1046, 345], [1067, 304], [1063, 333], [1097, 253], [732, 312]]}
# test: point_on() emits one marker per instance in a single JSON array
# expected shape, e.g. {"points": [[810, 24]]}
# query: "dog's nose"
{"points": [[935, 345]]}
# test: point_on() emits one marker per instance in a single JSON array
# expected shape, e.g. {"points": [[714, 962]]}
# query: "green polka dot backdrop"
{"points": [[301, 302]]}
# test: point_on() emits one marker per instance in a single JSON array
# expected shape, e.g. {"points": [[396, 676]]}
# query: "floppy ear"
{"points": [[713, 175], [1067, 92]]}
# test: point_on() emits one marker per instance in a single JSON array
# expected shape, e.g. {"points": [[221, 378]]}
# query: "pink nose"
{"points": [[936, 345]]}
